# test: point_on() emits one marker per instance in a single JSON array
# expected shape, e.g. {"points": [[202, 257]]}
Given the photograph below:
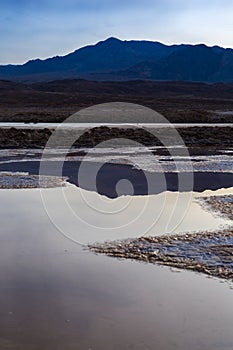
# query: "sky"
{"points": [[32, 29]]}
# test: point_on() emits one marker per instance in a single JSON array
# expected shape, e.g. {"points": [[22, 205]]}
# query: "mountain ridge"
{"points": [[117, 60]]}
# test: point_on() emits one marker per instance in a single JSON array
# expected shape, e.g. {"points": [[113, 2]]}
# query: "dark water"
{"points": [[110, 174], [57, 296]]}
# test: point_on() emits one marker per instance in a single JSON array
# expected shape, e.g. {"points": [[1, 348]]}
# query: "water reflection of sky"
{"points": [[56, 295]]}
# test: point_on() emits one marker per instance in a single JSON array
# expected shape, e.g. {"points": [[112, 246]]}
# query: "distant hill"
{"points": [[118, 60]]}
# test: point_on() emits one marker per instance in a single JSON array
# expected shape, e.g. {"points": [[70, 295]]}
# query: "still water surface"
{"points": [[57, 296]]}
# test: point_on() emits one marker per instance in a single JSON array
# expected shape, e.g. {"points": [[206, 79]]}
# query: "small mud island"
{"points": [[207, 252]]}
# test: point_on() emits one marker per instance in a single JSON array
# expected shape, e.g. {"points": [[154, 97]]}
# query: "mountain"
{"points": [[114, 59], [106, 56], [191, 63]]}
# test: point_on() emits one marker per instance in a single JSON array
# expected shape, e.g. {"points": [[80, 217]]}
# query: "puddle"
{"points": [[56, 296]]}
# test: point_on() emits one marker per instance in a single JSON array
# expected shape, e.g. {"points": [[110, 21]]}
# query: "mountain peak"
{"points": [[109, 41], [112, 39]]}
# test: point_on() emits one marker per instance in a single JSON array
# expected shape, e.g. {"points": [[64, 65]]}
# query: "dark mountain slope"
{"points": [[111, 54], [191, 63], [118, 60]]}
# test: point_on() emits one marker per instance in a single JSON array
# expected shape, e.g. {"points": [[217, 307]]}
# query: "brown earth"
{"points": [[192, 136], [180, 102]]}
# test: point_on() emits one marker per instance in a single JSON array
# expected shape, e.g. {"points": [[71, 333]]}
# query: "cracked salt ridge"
{"points": [[220, 205], [139, 158], [19, 180], [197, 163], [177, 247], [209, 253]]}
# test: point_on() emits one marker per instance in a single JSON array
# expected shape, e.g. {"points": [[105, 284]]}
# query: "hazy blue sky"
{"points": [[43, 28]]}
